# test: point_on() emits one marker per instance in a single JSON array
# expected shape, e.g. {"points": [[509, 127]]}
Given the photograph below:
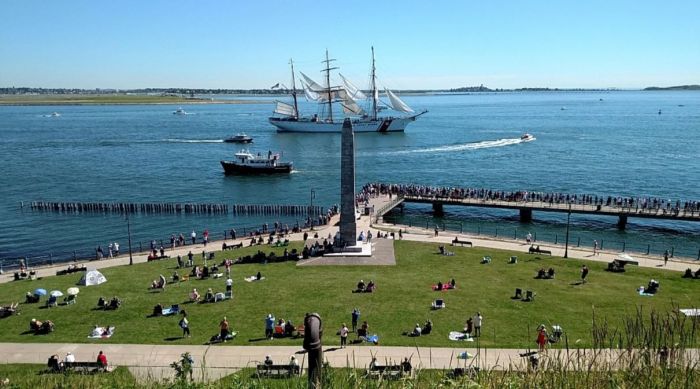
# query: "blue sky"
{"points": [[419, 44]]}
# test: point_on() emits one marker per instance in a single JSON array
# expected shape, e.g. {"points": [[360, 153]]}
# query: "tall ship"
{"points": [[347, 99]]}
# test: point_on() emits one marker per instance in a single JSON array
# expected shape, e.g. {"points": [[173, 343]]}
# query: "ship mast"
{"points": [[374, 89], [328, 83], [294, 91]]}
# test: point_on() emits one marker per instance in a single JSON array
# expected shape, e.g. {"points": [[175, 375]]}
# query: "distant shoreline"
{"points": [[65, 100]]}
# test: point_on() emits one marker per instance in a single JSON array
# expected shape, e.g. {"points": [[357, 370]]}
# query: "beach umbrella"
{"points": [[40, 292], [56, 293], [73, 291]]}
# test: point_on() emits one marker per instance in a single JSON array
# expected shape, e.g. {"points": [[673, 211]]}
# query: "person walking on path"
{"points": [[194, 237], [478, 319], [542, 337], [229, 287], [436, 230], [400, 234], [355, 319], [344, 335], [666, 257], [584, 273], [595, 247], [185, 325]]}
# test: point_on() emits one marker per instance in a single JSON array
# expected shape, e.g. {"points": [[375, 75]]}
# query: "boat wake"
{"points": [[172, 140], [464, 146]]}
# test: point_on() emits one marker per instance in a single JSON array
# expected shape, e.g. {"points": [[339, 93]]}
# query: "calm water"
{"points": [[617, 146]]}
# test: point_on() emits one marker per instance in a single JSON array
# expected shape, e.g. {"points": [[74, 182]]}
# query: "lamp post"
{"points": [[128, 229], [566, 245], [311, 207]]}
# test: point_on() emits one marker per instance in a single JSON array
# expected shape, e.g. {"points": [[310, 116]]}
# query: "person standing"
{"points": [[666, 253], [185, 325], [542, 337], [595, 247], [400, 234], [116, 249], [194, 237], [102, 360], [355, 319], [436, 230], [229, 287], [190, 259], [111, 252], [344, 335], [584, 273], [478, 319], [269, 326]]}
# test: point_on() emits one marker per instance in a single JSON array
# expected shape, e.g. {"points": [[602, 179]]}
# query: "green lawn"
{"points": [[403, 298]]}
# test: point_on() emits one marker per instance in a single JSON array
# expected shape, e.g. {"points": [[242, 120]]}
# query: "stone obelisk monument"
{"points": [[348, 226]]}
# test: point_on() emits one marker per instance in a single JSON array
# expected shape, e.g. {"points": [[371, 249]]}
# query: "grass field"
{"points": [[402, 298], [108, 99]]}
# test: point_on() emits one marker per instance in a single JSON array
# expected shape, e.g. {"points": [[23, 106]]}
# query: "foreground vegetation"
{"points": [[402, 298]]}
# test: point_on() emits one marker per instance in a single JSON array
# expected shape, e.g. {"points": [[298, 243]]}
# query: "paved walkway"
{"points": [[212, 362]]}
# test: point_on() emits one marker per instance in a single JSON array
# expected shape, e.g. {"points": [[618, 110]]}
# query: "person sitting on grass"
{"points": [[158, 310], [363, 330], [209, 296], [688, 273], [427, 327], [416, 331], [370, 287], [550, 273], [439, 286], [53, 363], [289, 328], [114, 303], [361, 286], [194, 295], [101, 302], [176, 277], [468, 327], [453, 283]]}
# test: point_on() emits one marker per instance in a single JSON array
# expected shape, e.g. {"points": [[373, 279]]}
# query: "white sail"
{"points": [[352, 90], [350, 106], [396, 103], [285, 109], [309, 94], [313, 85]]}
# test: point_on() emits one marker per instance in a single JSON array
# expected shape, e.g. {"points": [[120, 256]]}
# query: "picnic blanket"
{"points": [[253, 278], [691, 312], [373, 338], [110, 332], [171, 310], [641, 292], [456, 335], [217, 338]]}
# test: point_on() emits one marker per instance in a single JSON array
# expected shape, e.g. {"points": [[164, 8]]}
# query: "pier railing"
{"points": [[514, 233], [8, 264]]}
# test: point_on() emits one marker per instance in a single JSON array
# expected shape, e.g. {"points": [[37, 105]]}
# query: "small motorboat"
{"points": [[179, 111], [526, 137], [247, 163], [239, 138], [54, 114]]}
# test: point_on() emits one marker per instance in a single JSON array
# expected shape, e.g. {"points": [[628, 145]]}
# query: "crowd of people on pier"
{"points": [[642, 204]]}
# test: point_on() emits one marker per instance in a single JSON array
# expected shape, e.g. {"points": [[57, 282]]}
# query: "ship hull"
{"points": [[231, 167], [381, 125]]}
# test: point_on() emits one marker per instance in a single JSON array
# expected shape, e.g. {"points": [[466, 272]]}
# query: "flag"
{"points": [[275, 86]]}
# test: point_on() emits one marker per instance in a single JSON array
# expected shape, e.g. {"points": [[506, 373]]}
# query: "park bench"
{"points": [[278, 371], [388, 371], [85, 367], [233, 246], [456, 241], [537, 250]]}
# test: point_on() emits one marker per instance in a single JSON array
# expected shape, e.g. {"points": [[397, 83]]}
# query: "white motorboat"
{"points": [[527, 137], [179, 111], [247, 163]]}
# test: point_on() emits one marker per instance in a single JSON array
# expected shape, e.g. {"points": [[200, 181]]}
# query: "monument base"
{"points": [[359, 250]]}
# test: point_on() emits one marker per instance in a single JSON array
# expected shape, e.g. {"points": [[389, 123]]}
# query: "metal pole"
{"points": [[128, 230], [566, 245], [312, 344]]}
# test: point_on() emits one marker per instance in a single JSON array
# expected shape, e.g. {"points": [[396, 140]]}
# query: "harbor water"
{"points": [[627, 143]]}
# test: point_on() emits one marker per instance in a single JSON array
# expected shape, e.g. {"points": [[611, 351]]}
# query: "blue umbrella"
{"points": [[40, 292]]}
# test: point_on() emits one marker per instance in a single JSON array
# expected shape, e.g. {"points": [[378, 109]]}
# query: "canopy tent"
{"points": [[92, 277]]}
